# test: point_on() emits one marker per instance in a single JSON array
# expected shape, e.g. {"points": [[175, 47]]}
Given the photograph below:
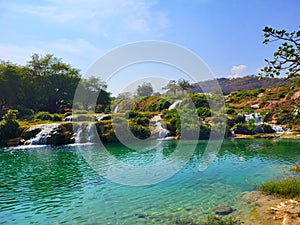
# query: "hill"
{"points": [[242, 83]]}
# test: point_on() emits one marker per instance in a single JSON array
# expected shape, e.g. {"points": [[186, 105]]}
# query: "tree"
{"points": [[184, 84], [92, 91], [145, 89], [10, 85], [287, 56], [171, 87], [51, 83]]}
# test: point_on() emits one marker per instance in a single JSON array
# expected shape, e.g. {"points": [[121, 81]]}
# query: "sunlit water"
{"points": [[55, 185]]}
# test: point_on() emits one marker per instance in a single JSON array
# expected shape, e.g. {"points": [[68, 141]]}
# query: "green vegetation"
{"points": [[145, 89], [9, 127], [46, 84], [289, 188], [296, 168]]}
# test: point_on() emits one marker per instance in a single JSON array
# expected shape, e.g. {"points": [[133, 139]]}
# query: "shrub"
{"points": [[248, 109], [67, 114], [200, 100], [204, 132], [140, 131], [230, 111], [203, 112], [56, 117], [43, 116], [242, 128], [296, 168], [24, 113], [287, 188], [9, 127]]}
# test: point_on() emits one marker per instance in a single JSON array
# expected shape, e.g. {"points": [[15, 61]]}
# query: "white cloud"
{"points": [[237, 71], [78, 52], [105, 17], [17, 54]]}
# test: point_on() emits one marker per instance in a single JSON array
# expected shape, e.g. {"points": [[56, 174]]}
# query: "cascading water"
{"points": [[158, 130], [254, 116], [116, 109], [257, 118], [41, 137], [85, 133], [175, 104]]}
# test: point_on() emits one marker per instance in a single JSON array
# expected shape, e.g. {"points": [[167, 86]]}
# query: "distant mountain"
{"points": [[242, 83]]}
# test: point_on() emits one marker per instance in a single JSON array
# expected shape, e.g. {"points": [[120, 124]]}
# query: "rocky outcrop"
{"points": [[267, 209], [49, 134]]}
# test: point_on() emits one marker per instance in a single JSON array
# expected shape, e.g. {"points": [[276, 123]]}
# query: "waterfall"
{"points": [[175, 104], [116, 109], [158, 130], [41, 137], [100, 117], [85, 133], [257, 118], [279, 129]]}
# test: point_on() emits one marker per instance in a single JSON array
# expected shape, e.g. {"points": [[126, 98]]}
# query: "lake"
{"points": [[56, 185]]}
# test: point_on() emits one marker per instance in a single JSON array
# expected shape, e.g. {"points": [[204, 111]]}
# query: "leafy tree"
{"points": [[171, 87], [92, 90], [287, 56], [184, 84], [51, 83], [10, 85], [145, 89]]}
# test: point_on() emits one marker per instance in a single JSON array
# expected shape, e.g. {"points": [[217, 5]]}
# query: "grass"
{"points": [[289, 188], [295, 168]]}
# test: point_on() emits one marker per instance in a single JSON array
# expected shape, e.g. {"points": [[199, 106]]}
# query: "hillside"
{"points": [[242, 83]]}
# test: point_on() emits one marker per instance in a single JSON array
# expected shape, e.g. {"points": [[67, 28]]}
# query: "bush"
{"points": [[9, 127], [286, 188], [43, 116], [203, 112], [200, 100], [139, 131], [67, 114], [24, 113], [56, 117], [242, 128], [230, 111], [296, 168]]}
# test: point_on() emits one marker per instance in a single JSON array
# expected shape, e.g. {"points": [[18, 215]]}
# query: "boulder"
{"points": [[223, 210]]}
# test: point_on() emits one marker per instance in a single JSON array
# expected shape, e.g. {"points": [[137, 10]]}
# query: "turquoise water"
{"points": [[55, 185]]}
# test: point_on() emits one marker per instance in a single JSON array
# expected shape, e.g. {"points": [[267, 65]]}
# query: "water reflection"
{"points": [[58, 186]]}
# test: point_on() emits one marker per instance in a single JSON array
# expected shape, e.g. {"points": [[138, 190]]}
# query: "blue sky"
{"points": [[225, 34]]}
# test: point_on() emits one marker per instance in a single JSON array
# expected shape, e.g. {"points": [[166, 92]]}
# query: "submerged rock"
{"points": [[223, 210]]}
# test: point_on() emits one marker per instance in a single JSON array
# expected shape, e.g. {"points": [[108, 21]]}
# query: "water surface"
{"points": [[55, 185]]}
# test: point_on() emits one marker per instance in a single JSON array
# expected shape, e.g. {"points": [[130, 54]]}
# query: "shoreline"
{"points": [[286, 135], [261, 209]]}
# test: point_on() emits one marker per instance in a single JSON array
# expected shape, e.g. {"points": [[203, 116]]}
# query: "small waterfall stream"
{"points": [[43, 133], [158, 130], [85, 133], [257, 121], [175, 104]]}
